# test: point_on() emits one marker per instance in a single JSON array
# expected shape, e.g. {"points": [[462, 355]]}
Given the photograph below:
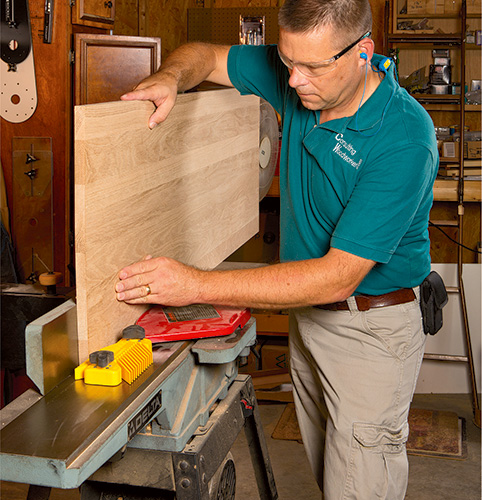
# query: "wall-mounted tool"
{"points": [[17, 71], [48, 20]]}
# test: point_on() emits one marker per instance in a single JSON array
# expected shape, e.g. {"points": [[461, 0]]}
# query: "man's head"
{"points": [[326, 46], [348, 19]]}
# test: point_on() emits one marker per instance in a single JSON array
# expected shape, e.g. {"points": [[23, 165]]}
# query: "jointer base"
{"points": [[188, 474], [203, 470]]}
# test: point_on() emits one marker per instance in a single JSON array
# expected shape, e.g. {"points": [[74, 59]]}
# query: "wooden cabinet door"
{"points": [[98, 13], [107, 66]]}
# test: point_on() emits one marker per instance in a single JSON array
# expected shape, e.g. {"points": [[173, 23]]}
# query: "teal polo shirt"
{"points": [[362, 184]]}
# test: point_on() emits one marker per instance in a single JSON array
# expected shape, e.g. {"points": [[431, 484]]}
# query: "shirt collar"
{"points": [[370, 114]]}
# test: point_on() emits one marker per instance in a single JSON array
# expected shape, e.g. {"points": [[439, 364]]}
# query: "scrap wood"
{"points": [[267, 379]]}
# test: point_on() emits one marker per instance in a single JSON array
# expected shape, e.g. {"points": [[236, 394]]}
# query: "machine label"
{"points": [[144, 416]]}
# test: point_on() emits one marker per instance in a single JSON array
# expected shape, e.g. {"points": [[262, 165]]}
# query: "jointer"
{"points": [[166, 435]]}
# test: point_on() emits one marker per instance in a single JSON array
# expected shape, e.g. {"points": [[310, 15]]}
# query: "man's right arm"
{"points": [[186, 67]]}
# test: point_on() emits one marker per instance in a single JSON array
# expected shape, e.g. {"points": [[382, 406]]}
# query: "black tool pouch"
{"points": [[433, 297]]}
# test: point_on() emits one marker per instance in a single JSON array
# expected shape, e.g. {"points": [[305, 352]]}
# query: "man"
{"points": [[358, 162]]}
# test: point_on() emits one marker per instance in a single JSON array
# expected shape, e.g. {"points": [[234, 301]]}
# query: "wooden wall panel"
{"points": [[187, 189], [245, 3], [126, 17], [166, 19], [51, 119], [444, 250]]}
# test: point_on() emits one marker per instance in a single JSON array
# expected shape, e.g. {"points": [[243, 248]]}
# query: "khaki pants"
{"points": [[354, 374]]}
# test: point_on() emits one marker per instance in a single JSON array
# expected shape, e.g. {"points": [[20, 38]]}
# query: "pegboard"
{"points": [[221, 25]]}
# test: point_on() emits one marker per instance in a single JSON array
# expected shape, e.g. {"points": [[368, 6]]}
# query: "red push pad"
{"points": [[169, 324]]}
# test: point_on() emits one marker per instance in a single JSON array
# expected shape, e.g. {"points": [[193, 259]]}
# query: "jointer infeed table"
{"points": [[167, 435]]}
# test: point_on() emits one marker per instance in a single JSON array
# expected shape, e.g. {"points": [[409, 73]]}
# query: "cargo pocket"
{"points": [[378, 463]]}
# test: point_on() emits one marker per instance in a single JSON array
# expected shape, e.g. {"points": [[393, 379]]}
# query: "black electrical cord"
{"points": [[451, 239]]}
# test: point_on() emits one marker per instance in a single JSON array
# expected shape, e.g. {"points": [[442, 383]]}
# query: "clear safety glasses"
{"points": [[319, 68]]}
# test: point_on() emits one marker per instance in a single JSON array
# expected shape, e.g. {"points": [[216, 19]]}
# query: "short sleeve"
{"points": [[258, 70], [384, 205]]}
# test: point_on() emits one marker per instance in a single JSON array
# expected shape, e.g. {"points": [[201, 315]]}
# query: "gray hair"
{"points": [[349, 19]]}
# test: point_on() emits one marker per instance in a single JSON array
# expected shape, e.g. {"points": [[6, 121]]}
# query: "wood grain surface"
{"points": [[187, 189]]}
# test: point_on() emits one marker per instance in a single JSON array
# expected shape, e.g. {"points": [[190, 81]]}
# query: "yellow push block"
{"points": [[125, 360]]}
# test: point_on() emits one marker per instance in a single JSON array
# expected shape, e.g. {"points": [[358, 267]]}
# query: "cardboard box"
{"points": [[474, 6], [416, 7], [472, 149], [435, 7], [453, 6], [275, 356]]}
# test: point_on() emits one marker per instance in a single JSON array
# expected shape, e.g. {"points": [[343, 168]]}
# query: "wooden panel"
{"points": [[165, 19], [244, 3], [221, 25], [187, 189], [96, 13], [32, 205], [444, 250], [109, 66], [51, 119], [126, 17]]}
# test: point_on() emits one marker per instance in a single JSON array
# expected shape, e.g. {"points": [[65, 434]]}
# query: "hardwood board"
{"points": [[187, 189]]}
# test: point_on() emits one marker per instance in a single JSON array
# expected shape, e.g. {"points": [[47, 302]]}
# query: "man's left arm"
{"points": [[331, 278]]}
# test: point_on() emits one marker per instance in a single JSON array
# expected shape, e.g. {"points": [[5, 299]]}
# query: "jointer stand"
{"points": [[167, 435]]}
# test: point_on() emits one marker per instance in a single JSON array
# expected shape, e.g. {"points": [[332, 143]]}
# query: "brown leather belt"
{"points": [[366, 302]]}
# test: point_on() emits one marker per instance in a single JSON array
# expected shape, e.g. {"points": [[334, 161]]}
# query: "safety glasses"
{"points": [[319, 68]]}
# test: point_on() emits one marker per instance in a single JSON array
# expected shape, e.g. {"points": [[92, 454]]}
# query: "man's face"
{"points": [[337, 86]]}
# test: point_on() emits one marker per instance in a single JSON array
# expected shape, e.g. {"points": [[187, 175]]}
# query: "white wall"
{"points": [[452, 377]]}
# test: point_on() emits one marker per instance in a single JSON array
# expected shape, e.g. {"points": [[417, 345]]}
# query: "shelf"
{"points": [[447, 190], [435, 16], [428, 39], [444, 190], [449, 160], [439, 99], [451, 107]]}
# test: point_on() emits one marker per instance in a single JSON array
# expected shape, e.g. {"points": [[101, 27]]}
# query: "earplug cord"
{"points": [[363, 96]]}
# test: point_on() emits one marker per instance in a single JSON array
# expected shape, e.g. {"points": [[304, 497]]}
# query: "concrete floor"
{"points": [[430, 478]]}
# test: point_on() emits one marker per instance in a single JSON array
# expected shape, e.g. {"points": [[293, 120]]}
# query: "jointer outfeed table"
{"points": [[166, 435]]}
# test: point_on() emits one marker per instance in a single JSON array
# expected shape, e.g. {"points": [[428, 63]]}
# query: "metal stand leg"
{"points": [[258, 449]]}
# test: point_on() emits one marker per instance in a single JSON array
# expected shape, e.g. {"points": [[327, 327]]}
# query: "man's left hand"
{"points": [[159, 280]]}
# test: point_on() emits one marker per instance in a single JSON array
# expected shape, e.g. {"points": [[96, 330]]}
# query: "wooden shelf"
{"points": [[435, 16], [438, 99], [428, 39], [447, 190], [452, 107], [444, 190]]}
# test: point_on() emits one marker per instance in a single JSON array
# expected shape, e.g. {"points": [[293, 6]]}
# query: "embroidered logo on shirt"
{"points": [[342, 148]]}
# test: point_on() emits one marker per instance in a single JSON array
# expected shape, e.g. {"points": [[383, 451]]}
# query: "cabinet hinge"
{"points": [[71, 56]]}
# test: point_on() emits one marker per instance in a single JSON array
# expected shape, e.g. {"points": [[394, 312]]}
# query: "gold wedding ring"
{"points": [[148, 290]]}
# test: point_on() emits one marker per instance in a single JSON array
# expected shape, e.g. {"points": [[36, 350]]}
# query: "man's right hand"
{"points": [[161, 90], [185, 68]]}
